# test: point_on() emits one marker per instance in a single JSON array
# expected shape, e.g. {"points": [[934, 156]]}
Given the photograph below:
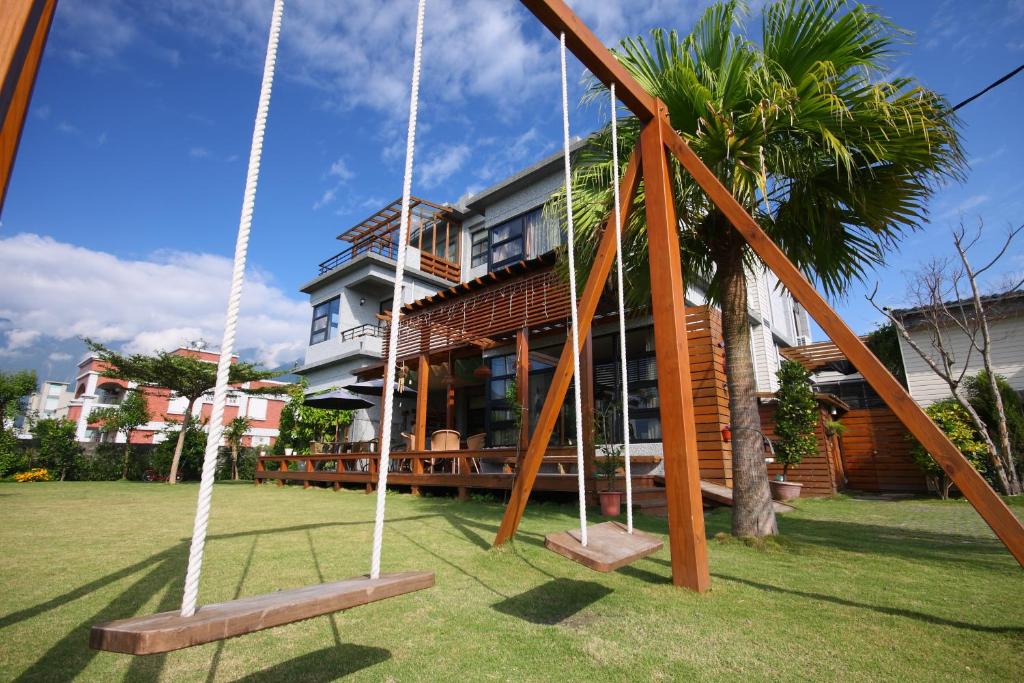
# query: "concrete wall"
{"points": [[1007, 356]]}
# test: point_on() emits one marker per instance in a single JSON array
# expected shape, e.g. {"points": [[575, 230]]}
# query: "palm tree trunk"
{"points": [[234, 462], [752, 512], [172, 477]]}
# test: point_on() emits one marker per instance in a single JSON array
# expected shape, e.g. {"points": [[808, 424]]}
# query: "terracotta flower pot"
{"points": [[785, 490], [611, 503]]}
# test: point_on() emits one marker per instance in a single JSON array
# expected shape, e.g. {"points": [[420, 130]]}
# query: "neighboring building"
{"points": [[51, 401], [460, 250], [1006, 327], [93, 390]]}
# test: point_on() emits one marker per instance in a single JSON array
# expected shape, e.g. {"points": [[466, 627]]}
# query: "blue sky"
{"points": [[122, 211]]}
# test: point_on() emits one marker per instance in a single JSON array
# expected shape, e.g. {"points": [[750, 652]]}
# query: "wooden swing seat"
{"points": [[609, 546], [170, 631]]}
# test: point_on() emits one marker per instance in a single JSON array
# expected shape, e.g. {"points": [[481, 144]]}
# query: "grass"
{"points": [[853, 590]]}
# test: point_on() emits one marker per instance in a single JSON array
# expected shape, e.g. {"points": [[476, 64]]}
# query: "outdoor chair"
{"points": [[443, 440]]}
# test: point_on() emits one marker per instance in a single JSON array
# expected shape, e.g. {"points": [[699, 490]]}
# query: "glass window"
{"points": [[478, 252], [507, 243], [325, 321]]}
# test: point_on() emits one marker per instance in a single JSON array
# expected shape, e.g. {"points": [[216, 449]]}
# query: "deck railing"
{"points": [[374, 245], [367, 330]]}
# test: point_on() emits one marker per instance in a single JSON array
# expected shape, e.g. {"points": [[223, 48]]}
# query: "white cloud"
{"points": [[67, 128], [966, 205], [142, 305], [341, 174], [199, 152], [340, 169], [59, 357], [42, 112], [444, 162]]}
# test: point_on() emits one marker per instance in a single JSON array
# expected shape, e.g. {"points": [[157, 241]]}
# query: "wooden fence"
{"points": [[876, 453]]}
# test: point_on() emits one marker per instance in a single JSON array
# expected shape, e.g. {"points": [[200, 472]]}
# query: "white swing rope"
{"points": [[220, 392], [577, 396], [396, 303], [622, 312]]}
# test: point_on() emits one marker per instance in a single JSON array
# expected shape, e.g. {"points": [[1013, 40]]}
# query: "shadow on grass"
{"points": [[881, 609], [553, 602], [908, 544], [163, 573], [328, 664]]}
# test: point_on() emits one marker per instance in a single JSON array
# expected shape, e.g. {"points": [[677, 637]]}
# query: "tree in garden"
{"points": [[188, 377], [14, 386], [234, 432], [796, 416], [884, 342], [301, 424], [831, 154], [58, 448], [952, 419], [123, 419], [955, 317]]}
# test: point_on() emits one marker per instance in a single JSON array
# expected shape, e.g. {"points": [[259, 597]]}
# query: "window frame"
{"points": [[481, 238], [332, 303], [520, 237]]}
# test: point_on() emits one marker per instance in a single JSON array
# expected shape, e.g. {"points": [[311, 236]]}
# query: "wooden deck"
{"points": [[447, 469]]}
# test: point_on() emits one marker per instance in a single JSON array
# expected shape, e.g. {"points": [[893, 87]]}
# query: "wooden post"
{"points": [[587, 428], [259, 468], [24, 26], [599, 270], [282, 466], [374, 471], [449, 412], [309, 468], [678, 430], [523, 388], [423, 381]]}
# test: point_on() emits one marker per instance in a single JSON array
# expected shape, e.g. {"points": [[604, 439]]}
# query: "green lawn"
{"points": [[855, 590]]}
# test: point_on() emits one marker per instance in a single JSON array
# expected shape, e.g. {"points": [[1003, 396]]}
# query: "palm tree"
{"points": [[234, 432], [835, 161]]}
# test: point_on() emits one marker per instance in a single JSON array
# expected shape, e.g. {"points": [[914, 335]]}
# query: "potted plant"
{"points": [[796, 416], [608, 465]]}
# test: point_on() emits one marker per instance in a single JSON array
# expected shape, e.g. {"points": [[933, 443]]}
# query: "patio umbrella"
{"points": [[374, 387], [338, 399]]}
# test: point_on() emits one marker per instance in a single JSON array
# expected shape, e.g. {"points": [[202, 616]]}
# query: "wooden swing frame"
{"points": [[23, 30], [687, 541]]}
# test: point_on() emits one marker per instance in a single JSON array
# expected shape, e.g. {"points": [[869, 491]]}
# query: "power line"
{"points": [[990, 87]]}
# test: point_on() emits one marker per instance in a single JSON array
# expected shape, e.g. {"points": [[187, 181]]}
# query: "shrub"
{"points": [[795, 416], [36, 474], [979, 394], [954, 421], [246, 463], [191, 464], [105, 463], [12, 457], [58, 448]]}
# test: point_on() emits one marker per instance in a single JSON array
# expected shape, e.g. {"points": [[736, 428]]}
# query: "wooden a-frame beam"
{"points": [[989, 505], [24, 26], [587, 306]]}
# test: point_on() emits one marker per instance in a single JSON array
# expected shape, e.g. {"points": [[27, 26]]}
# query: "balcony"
{"points": [[434, 239]]}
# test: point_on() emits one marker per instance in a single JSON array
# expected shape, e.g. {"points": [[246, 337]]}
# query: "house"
{"points": [[93, 390], [1005, 313], [480, 284], [51, 401]]}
